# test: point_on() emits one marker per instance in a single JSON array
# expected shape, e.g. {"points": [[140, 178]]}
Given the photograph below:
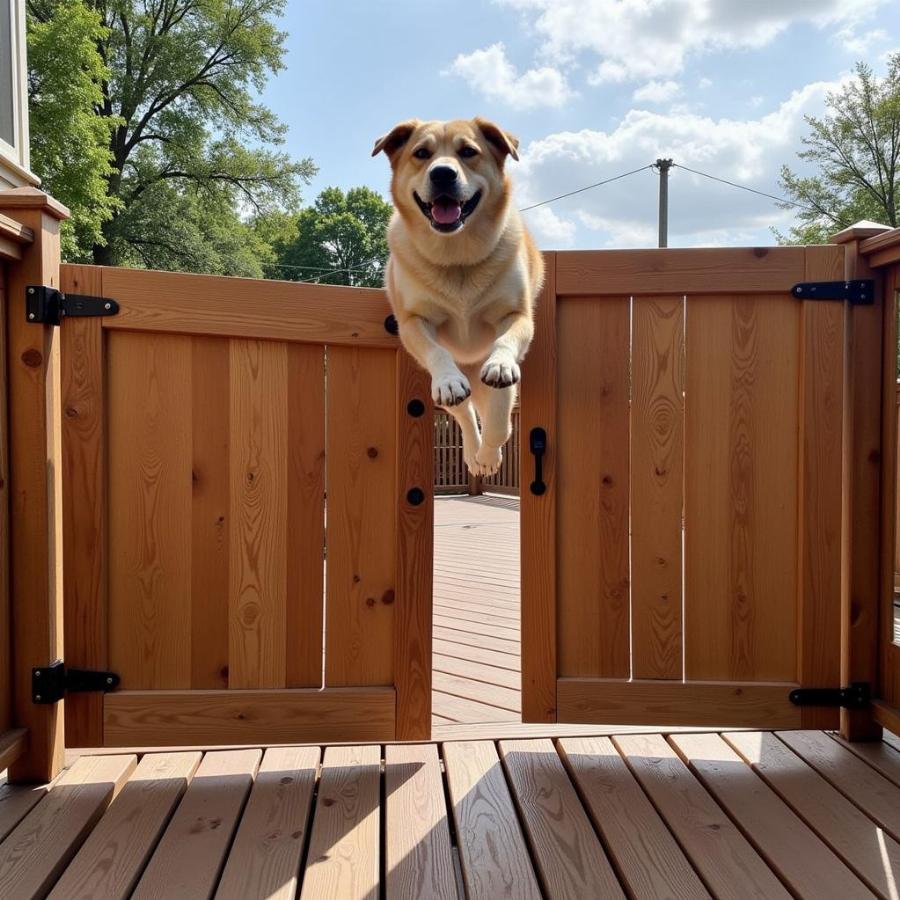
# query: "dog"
{"points": [[463, 273]]}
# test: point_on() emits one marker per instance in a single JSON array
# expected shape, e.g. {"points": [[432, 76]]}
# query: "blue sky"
{"points": [[592, 88]]}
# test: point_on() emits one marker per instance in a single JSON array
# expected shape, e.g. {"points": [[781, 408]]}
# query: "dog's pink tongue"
{"points": [[445, 212]]}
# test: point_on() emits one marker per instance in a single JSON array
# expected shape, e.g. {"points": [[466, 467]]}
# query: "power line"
{"points": [[744, 187], [586, 188]]}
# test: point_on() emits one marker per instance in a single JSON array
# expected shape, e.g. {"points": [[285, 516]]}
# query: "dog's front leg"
{"points": [[449, 386], [514, 334]]}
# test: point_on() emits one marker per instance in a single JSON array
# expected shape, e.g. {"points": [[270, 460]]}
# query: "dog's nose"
{"points": [[443, 176]]}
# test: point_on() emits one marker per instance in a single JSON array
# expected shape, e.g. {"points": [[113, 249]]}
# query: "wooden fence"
{"points": [[450, 473]]}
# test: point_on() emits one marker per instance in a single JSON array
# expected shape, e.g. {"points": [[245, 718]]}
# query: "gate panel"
{"points": [[698, 417], [208, 515]]}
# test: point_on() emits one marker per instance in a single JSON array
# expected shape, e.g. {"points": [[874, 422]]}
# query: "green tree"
{"points": [[69, 142], [192, 150], [341, 239], [856, 150]]}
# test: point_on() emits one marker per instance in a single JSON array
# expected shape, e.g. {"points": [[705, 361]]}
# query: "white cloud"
{"points": [[704, 83], [650, 39], [656, 92], [491, 74], [861, 44], [549, 229], [623, 213]]}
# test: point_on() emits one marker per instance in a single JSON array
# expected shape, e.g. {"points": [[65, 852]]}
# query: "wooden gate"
{"points": [[684, 564], [247, 514]]}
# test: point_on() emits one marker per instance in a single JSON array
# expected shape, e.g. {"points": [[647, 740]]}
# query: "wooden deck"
{"points": [[476, 612], [735, 815]]}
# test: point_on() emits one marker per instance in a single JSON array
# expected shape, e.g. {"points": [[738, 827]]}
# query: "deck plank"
{"points": [[872, 854], [16, 801], [722, 856], [492, 695], [645, 853], [344, 851], [877, 797], [878, 754], [37, 851], [264, 860], [111, 860], [803, 861], [568, 855], [192, 851], [418, 856], [494, 857], [468, 712], [475, 671]]}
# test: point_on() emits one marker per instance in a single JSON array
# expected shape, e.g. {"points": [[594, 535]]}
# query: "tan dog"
{"points": [[463, 272]]}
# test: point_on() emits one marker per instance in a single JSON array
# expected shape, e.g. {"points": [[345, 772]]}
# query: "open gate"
{"points": [[683, 562], [247, 512]]}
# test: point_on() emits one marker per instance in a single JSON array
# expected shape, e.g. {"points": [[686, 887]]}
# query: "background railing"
{"points": [[450, 473]]}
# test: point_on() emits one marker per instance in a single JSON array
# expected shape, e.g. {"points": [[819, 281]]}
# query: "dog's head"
{"points": [[448, 173]]}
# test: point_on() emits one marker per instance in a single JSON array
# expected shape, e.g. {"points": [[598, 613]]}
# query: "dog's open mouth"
{"points": [[446, 213]]}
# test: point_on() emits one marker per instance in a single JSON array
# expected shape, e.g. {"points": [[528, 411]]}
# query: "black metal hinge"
{"points": [[49, 306], [860, 292], [51, 683], [856, 696]]}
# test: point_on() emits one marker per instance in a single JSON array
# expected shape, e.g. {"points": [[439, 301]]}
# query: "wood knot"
{"points": [[327, 801], [607, 480], [760, 252], [370, 601], [32, 358], [71, 412], [356, 579], [286, 780], [372, 452], [387, 598], [223, 674]]}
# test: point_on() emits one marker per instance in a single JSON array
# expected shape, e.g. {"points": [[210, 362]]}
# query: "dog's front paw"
{"points": [[488, 459], [450, 390], [500, 371]]}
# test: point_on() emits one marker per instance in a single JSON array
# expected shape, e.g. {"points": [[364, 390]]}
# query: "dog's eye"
{"points": [[468, 152], [422, 153]]}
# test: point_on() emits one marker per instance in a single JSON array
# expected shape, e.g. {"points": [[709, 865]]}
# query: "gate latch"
{"points": [[859, 292], [856, 696], [51, 683], [49, 306]]}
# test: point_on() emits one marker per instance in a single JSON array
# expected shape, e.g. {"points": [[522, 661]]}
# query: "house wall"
{"points": [[14, 154]]}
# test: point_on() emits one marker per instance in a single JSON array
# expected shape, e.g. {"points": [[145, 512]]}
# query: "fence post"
{"points": [[35, 488], [861, 546]]}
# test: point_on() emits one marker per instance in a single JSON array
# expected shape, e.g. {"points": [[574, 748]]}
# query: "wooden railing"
{"points": [[450, 473]]}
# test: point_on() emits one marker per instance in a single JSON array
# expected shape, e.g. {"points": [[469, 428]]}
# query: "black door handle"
{"points": [[537, 442]]}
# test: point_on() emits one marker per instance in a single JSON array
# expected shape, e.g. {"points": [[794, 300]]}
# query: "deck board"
{"points": [[512, 813]]}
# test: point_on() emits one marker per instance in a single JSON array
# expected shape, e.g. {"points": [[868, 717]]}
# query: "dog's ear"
{"points": [[395, 138], [502, 142]]}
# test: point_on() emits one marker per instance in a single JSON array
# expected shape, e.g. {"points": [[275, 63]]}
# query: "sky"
{"points": [[592, 89]]}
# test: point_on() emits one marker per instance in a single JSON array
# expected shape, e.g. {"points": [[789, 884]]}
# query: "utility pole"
{"points": [[663, 165]]}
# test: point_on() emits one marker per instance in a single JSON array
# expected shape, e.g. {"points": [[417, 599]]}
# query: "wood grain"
{"points": [[568, 856], [13, 744], [732, 704], [16, 801], [679, 271], [657, 486], [863, 846], [84, 504], [306, 514], [149, 490], [344, 850], [414, 564], [538, 513], [110, 861], [877, 797], [878, 754], [361, 530], [248, 309], [33, 856], [197, 718], [593, 503], [722, 856], [741, 460], [189, 858], [802, 860], [7, 671], [210, 511], [648, 858], [259, 477], [821, 487], [264, 860], [418, 860], [494, 857], [35, 536]]}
